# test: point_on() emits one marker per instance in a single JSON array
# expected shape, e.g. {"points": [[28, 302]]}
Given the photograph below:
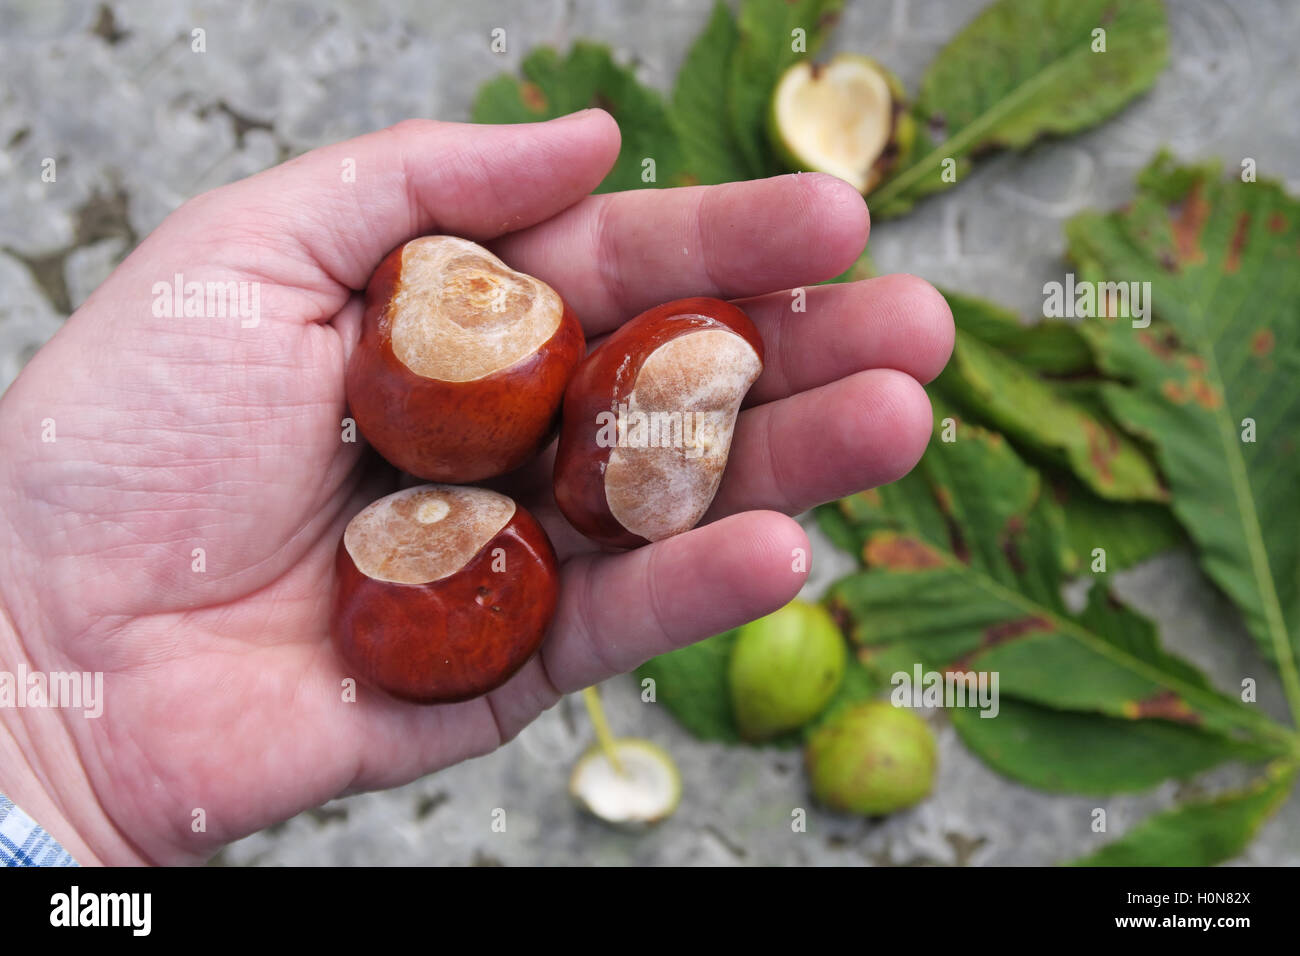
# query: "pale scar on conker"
{"points": [[462, 362], [444, 592], [648, 421]]}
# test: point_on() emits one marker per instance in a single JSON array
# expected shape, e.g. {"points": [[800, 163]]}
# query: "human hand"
{"points": [[221, 688]]}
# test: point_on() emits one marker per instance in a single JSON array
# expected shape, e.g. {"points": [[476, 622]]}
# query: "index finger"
{"points": [[614, 255]]}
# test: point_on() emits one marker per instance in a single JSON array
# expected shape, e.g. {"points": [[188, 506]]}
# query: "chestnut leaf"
{"points": [[699, 104], [1049, 419], [964, 563], [1214, 382], [1063, 751], [768, 44], [1009, 376], [1023, 69], [692, 683], [1126, 532], [1050, 347], [589, 77], [1203, 832]]}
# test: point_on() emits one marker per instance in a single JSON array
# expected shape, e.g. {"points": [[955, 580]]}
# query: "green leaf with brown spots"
{"points": [[1108, 536], [774, 34], [1133, 678], [713, 154], [1023, 69], [1058, 357], [1039, 415], [1101, 536], [964, 565], [835, 524], [555, 86], [1201, 833], [1076, 752], [1051, 347], [693, 684], [1214, 382]]}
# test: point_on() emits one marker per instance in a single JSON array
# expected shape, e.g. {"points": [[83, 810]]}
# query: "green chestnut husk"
{"points": [[872, 758], [847, 117], [784, 669], [644, 791]]}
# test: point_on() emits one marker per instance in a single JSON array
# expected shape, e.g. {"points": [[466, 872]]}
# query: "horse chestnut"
{"points": [[462, 362], [443, 592], [648, 419]]}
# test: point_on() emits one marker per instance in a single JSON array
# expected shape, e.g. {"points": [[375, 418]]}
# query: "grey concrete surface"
{"points": [[138, 123]]}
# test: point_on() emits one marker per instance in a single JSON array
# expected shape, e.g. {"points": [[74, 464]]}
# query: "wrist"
{"points": [[31, 791], [40, 770], [24, 842]]}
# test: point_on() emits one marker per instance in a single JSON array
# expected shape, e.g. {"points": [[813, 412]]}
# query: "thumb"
{"points": [[343, 207]]}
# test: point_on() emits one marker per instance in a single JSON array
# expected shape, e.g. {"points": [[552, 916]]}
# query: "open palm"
{"points": [[173, 489]]}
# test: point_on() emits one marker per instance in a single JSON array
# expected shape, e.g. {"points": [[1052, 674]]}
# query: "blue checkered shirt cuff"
{"points": [[24, 842]]}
